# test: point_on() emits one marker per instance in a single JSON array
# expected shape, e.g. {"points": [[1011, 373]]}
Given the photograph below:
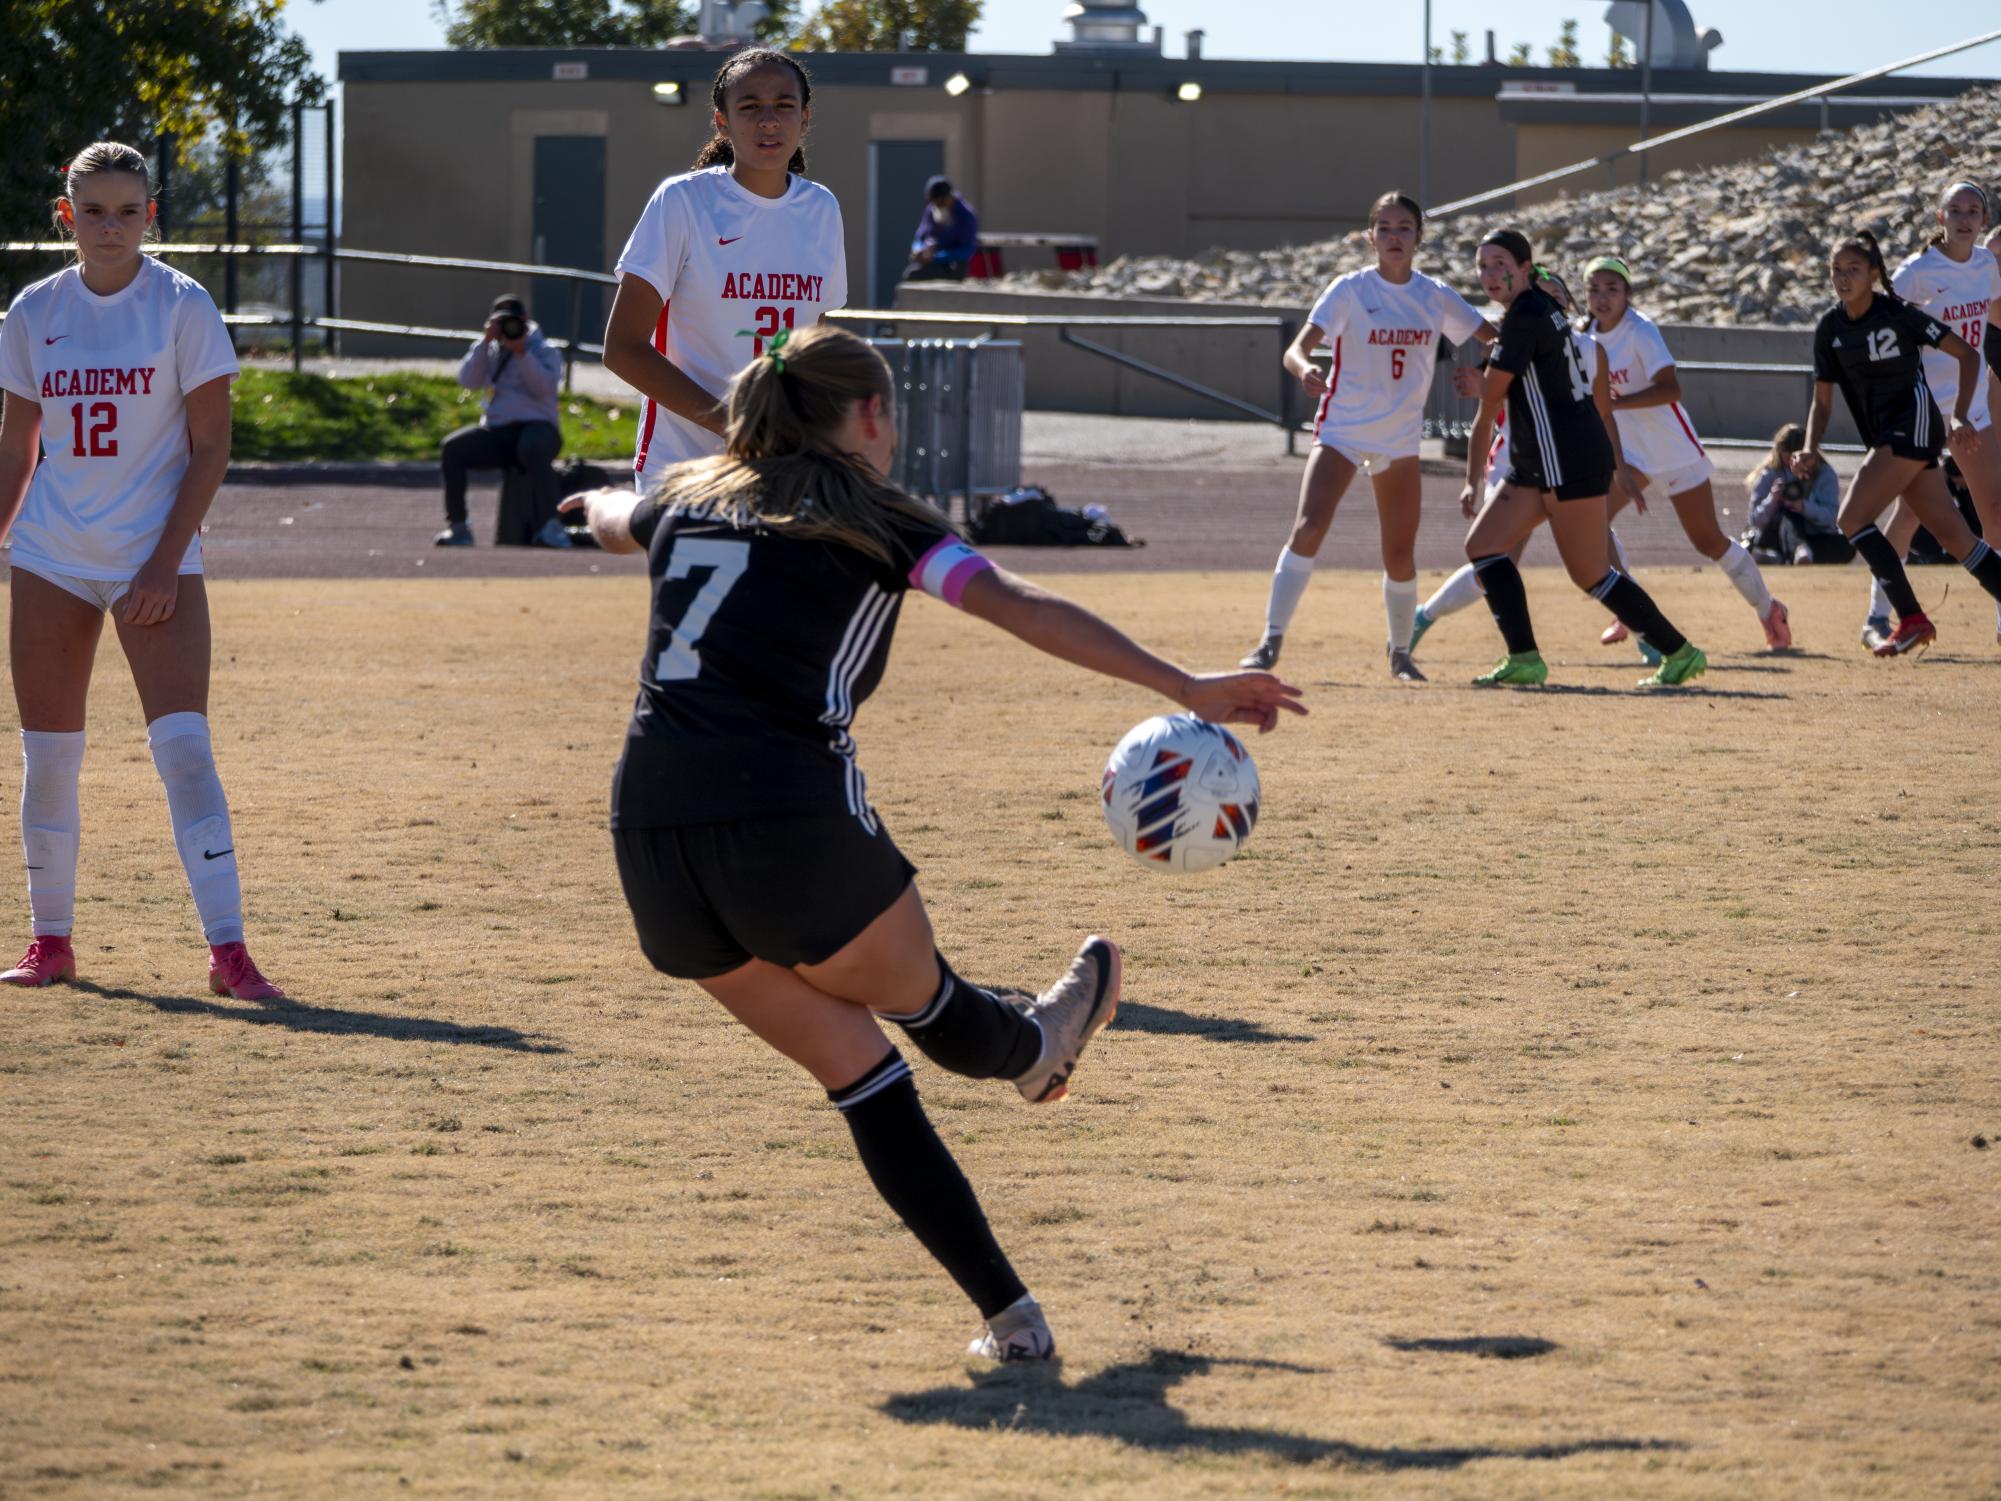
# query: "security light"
{"points": [[668, 93], [1189, 93], [957, 84]]}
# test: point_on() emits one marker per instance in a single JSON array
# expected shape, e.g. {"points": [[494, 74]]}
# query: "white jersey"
{"points": [[1655, 440], [1958, 296], [110, 375], [1385, 346], [731, 269]]}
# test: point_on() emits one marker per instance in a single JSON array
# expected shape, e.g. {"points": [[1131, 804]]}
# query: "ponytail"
{"points": [[717, 151]]}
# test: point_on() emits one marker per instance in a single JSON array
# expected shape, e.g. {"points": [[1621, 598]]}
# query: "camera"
{"points": [[513, 326], [1792, 488]]}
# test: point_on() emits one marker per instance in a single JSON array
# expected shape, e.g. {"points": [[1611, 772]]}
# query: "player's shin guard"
{"points": [[1508, 598], [1985, 565], [1636, 608], [1288, 586], [917, 1178], [1400, 609], [50, 820], [969, 1031], [186, 763], [1889, 570], [1455, 594], [1742, 570]]}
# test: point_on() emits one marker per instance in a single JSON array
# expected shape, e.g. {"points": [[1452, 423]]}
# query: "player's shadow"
{"points": [[1486, 1346], [296, 1016], [1137, 1016], [1128, 1402]]}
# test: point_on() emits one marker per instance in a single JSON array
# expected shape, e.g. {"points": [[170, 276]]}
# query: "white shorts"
{"points": [[1980, 415], [104, 593], [1367, 460], [1683, 478]]}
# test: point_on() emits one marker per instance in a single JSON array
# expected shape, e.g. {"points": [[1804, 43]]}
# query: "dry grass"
{"points": [[1567, 1094]]}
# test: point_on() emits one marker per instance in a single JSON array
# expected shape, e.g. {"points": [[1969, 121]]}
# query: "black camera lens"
{"points": [[513, 327]]}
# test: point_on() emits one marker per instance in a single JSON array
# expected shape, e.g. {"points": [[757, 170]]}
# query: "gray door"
{"points": [[897, 171], [569, 231]]}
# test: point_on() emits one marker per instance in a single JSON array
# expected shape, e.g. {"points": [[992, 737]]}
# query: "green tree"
{"points": [[583, 23], [83, 70], [1521, 55], [1437, 56], [880, 25], [1564, 54], [1462, 52], [1616, 55]]}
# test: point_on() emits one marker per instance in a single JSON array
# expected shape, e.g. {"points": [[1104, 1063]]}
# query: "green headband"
{"points": [[1610, 263]]}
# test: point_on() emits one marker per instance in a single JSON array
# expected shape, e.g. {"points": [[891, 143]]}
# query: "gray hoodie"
{"points": [[525, 389]]}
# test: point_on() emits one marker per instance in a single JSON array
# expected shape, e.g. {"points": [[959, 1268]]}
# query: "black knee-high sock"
{"points": [[973, 1032], [1508, 599], [1637, 609], [917, 1178], [1889, 569], [1985, 565]]}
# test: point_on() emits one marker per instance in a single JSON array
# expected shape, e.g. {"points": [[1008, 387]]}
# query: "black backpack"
{"points": [[1030, 517]]}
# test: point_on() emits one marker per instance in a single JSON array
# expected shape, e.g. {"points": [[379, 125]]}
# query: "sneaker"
{"points": [[1649, 653], [1264, 656], [1682, 665], [1912, 632], [1614, 634], [1070, 1012], [553, 534], [1518, 670], [231, 973], [49, 959], [1876, 631], [1018, 1332], [1778, 627], [1403, 669], [1424, 622], [458, 534]]}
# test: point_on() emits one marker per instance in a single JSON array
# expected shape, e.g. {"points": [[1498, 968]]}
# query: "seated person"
{"points": [[1792, 519], [947, 235], [520, 428]]}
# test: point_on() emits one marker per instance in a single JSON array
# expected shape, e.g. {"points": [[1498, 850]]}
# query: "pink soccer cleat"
{"points": [[1614, 634], [232, 973], [49, 959], [1778, 627]]}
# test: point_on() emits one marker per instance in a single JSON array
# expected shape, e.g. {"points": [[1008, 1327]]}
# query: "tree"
{"points": [[1564, 54], [562, 23], [1437, 56], [1521, 55], [1616, 55], [81, 70], [881, 25], [1462, 53]]}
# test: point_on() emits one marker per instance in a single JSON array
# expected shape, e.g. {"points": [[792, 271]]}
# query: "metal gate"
{"points": [[958, 417]]}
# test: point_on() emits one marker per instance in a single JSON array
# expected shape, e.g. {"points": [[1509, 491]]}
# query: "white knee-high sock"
{"points": [[1880, 607], [186, 763], [1400, 609], [50, 820], [1743, 571], [1288, 586], [1619, 555], [1455, 594]]}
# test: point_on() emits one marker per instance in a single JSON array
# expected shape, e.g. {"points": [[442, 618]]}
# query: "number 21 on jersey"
{"points": [[726, 562], [769, 321]]}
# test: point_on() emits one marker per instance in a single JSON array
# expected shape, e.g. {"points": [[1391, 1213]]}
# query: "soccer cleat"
{"points": [[1264, 656], [1524, 669], [231, 973], [1875, 631], [458, 534], [1424, 622], [1778, 627], [1070, 1012], [49, 959], [1018, 1332], [1685, 663], [1614, 634], [1912, 632], [1650, 653], [1403, 669]]}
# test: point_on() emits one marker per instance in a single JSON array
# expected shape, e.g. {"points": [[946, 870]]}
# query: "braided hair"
{"points": [[718, 152]]}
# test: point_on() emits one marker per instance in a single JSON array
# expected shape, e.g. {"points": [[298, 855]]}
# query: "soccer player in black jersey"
{"points": [[1871, 345], [751, 857], [1561, 464]]}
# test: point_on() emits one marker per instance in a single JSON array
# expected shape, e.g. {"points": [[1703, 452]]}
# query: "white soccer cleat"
{"points": [[1017, 1333], [1070, 1013]]}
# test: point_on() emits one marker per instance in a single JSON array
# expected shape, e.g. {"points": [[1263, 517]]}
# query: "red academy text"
{"points": [[776, 286], [1400, 335], [99, 382]]}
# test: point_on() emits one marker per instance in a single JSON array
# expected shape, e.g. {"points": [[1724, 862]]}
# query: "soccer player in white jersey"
{"points": [[722, 258], [1957, 280], [1660, 442], [1384, 325], [117, 370]]}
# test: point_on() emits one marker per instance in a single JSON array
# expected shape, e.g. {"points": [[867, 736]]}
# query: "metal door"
{"points": [[569, 231], [897, 171]]}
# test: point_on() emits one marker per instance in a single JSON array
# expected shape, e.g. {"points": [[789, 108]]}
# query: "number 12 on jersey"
{"points": [[726, 562]]}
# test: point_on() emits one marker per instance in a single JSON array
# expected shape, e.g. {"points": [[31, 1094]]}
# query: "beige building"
{"points": [[548, 156]]}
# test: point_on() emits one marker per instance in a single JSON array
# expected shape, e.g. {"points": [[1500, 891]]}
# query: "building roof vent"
{"points": [[1108, 26], [1677, 41]]}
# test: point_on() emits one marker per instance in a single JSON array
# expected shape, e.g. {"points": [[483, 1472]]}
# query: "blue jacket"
{"points": [[954, 240]]}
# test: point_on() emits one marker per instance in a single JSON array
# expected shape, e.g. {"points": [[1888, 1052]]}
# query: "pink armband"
{"points": [[945, 570]]}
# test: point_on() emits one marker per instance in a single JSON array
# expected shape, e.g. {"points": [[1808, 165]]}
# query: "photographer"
{"points": [[520, 426], [948, 234], [1792, 516]]}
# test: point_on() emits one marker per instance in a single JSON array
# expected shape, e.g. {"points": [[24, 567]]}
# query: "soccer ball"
{"points": [[1181, 793]]}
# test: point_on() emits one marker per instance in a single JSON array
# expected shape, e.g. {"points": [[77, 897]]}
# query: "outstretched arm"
{"points": [[1068, 631], [609, 513], [1493, 395]]}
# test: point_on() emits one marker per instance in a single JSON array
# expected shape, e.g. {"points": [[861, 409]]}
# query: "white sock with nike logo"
{"points": [[186, 762], [50, 819]]}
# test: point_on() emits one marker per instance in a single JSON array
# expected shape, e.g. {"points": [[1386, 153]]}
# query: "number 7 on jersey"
{"points": [[726, 562]]}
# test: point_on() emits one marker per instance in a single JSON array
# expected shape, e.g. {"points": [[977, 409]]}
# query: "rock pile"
{"points": [[1744, 243]]}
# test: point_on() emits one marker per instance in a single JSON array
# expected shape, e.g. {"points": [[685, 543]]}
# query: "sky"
{"points": [[1787, 36]]}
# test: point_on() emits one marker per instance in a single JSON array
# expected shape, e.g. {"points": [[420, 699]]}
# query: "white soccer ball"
{"points": [[1181, 793]]}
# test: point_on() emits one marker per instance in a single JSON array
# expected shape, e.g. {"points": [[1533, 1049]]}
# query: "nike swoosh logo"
{"points": [[216, 854], [730, 241], [58, 336]]}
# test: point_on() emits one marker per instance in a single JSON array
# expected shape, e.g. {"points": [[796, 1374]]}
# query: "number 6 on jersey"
{"points": [[726, 562]]}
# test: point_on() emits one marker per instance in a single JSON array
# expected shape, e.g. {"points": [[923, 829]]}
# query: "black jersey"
{"points": [[1555, 438], [1876, 360], [761, 648]]}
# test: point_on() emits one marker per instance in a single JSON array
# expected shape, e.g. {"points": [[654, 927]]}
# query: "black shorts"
{"points": [[708, 898], [1585, 482], [1990, 346]]}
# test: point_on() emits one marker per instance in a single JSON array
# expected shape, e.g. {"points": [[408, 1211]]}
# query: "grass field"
{"points": [[1567, 1094]]}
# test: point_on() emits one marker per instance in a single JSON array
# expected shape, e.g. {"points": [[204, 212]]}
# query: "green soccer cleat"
{"points": [[1522, 669], [1650, 654], [1424, 622], [1682, 665]]}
